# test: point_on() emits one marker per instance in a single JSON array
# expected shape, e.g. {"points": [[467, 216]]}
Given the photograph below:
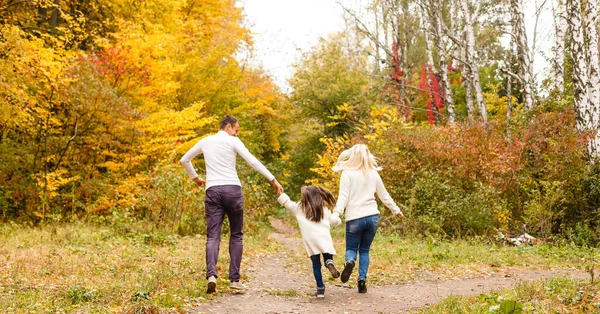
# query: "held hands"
{"points": [[199, 182], [335, 220], [277, 187]]}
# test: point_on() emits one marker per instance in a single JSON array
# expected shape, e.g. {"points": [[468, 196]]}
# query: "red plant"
{"points": [[398, 80], [430, 86], [115, 65]]}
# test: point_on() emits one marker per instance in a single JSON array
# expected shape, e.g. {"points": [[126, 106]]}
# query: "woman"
{"points": [[359, 182]]}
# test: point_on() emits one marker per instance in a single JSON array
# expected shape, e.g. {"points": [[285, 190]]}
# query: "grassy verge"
{"points": [[556, 295], [101, 269], [396, 258], [128, 267]]}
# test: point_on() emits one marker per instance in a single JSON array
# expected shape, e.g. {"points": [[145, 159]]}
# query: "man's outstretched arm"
{"points": [[241, 149], [277, 187]]}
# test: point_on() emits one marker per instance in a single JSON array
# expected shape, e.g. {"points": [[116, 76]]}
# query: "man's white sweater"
{"points": [[357, 195], [219, 152]]}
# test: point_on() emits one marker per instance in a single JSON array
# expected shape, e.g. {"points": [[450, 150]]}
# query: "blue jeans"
{"points": [[359, 236], [316, 263]]}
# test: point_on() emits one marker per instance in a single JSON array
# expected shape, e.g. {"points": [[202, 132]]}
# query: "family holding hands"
{"points": [[359, 183]]}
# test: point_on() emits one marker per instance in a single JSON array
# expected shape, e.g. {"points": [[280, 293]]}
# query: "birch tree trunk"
{"points": [[429, 66], [454, 26], [593, 86], [591, 31], [509, 87], [468, 83], [428, 48], [586, 111], [523, 52], [560, 25], [436, 23], [472, 61]]}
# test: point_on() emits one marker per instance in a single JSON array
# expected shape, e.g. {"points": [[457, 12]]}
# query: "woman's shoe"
{"points": [[348, 267], [362, 285]]}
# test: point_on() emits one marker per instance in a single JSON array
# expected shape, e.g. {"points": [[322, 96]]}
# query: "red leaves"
{"points": [[114, 64], [430, 87], [397, 72], [548, 149], [398, 80]]}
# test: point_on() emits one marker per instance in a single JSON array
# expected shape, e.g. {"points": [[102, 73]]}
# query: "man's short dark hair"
{"points": [[228, 120]]}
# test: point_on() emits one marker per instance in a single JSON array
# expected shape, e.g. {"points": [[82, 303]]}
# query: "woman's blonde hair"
{"points": [[357, 157]]}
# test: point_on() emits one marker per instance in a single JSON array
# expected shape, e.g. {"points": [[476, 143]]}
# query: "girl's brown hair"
{"points": [[313, 199]]}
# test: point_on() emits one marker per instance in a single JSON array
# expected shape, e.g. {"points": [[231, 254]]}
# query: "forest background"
{"points": [[99, 100]]}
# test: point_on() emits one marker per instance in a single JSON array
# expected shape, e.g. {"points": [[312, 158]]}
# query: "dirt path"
{"points": [[278, 284]]}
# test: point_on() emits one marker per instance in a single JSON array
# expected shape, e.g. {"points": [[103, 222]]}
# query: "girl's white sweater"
{"points": [[315, 235]]}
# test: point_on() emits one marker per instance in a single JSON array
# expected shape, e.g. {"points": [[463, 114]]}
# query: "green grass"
{"points": [[125, 267], [397, 258], [555, 295], [98, 269], [283, 293]]}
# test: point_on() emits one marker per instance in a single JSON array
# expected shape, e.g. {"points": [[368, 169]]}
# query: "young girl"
{"points": [[314, 220]]}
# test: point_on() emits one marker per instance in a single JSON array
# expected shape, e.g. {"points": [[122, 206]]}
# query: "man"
{"points": [[224, 195]]}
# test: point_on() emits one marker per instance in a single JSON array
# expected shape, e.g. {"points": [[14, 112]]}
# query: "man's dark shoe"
{"points": [[320, 292], [212, 285], [348, 267], [362, 286], [331, 266]]}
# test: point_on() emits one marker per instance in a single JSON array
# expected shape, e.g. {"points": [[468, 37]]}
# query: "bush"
{"points": [[172, 200], [583, 235], [438, 206], [469, 178]]}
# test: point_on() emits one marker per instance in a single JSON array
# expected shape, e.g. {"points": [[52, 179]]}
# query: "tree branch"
{"points": [[365, 30], [8, 5], [515, 76]]}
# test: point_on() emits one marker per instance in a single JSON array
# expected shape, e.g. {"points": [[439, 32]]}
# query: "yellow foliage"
{"points": [[380, 119], [165, 129], [50, 182], [496, 105], [126, 100], [326, 177]]}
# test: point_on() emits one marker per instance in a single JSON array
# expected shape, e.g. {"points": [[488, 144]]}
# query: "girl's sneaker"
{"points": [[320, 292], [334, 272]]}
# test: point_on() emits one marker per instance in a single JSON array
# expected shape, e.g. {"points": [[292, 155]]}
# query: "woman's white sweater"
{"points": [[357, 195], [315, 235]]}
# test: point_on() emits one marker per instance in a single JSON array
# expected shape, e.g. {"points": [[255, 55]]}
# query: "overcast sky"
{"points": [[283, 29]]}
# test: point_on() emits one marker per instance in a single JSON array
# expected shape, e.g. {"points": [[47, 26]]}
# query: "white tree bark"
{"points": [[523, 52], [560, 26], [593, 86], [591, 31], [586, 111], [436, 22], [454, 27], [468, 84], [472, 60], [429, 48], [429, 66]]}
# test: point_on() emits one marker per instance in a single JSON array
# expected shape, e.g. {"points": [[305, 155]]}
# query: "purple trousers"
{"points": [[220, 201]]}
